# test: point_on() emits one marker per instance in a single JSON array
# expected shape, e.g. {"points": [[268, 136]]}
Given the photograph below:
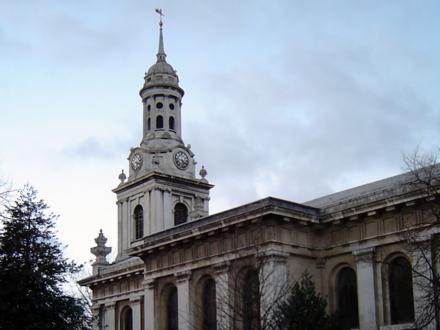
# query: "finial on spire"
{"points": [[159, 11], [161, 53]]}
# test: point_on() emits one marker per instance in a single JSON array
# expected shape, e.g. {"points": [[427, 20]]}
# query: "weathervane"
{"points": [[159, 11]]}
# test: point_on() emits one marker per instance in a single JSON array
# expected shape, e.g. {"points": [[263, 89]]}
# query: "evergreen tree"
{"points": [[304, 309], [33, 270]]}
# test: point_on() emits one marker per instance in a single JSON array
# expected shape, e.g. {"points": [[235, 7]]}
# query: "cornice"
{"points": [[218, 223], [112, 275], [166, 177]]}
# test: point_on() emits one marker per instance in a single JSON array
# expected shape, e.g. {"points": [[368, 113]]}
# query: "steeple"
{"points": [[161, 189], [162, 129]]}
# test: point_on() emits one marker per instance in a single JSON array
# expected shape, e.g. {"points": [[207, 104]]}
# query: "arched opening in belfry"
{"points": [[159, 122], [171, 123], [149, 124]]}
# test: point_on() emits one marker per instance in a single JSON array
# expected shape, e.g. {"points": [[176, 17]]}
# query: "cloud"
{"points": [[308, 128], [94, 148], [291, 99]]}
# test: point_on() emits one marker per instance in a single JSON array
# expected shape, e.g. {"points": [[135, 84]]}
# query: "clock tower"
{"points": [[161, 190]]}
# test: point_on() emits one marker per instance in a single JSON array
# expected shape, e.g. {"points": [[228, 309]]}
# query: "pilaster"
{"points": [[147, 218], [168, 209], [126, 224], [155, 219], [273, 283], [135, 305], [183, 300], [223, 298], [110, 316], [366, 288], [149, 319]]}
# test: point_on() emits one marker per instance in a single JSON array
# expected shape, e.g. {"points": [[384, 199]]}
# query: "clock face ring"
{"points": [[136, 161], [181, 160]]}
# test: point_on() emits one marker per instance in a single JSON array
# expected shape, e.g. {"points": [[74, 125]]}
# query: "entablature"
{"points": [[258, 211]]}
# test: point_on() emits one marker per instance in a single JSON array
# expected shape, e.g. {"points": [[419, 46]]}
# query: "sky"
{"points": [[291, 99]]}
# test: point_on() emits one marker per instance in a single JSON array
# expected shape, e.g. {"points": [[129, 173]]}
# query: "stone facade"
{"points": [[178, 267]]}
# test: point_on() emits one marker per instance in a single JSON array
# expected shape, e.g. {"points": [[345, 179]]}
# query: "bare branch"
{"points": [[421, 240]]}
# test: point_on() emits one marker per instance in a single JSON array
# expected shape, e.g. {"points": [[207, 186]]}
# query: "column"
{"points": [[119, 227], [149, 320], [154, 205], [183, 300], [110, 316], [96, 317], [160, 207], [135, 305], [125, 224], [147, 219], [223, 299], [274, 284], [323, 285], [366, 289], [168, 209]]}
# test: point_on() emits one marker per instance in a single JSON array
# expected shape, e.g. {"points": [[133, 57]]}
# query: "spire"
{"points": [[161, 53]]}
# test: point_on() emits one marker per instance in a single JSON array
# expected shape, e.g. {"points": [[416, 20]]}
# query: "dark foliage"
{"points": [[33, 270], [305, 309]]}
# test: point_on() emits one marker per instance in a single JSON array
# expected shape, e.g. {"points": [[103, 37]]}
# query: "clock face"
{"points": [[181, 160], [136, 161]]}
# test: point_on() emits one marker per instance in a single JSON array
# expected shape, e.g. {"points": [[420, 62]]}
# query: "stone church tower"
{"points": [[161, 190]]}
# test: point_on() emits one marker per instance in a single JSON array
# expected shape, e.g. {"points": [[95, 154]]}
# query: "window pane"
{"points": [[346, 298], [209, 306], [401, 291], [127, 319], [251, 301], [139, 221], [172, 319]]}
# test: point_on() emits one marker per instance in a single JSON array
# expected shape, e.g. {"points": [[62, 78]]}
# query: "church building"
{"points": [[180, 268]]}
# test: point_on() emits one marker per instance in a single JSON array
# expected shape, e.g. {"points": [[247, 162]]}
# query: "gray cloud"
{"points": [[94, 148], [303, 132]]}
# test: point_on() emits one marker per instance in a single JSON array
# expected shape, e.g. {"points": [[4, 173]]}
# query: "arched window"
{"points": [[209, 305], [401, 291], [159, 122], [138, 217], [149, 124], [172, 321], [180, 214], [171, 123], [250, 298], [346, 298], [127, 319]]}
